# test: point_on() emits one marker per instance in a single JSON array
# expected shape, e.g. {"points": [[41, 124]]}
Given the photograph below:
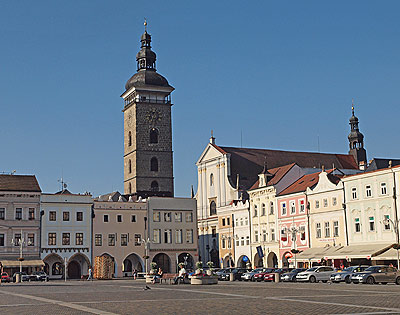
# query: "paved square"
{"points": [[128, 297]]}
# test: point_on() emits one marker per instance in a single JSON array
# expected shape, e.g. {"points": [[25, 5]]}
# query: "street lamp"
{"points": [[20, 242], [293, 230], [146, 243], [388, 221]]}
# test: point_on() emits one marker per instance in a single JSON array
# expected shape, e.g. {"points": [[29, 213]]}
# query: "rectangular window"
{"points": [[302, 206], [124, 239], [1, 239], [368, 191], [229, 243], [138, 239], [386, 222], [228, 221], [256, 236], [325, 202], [167, 216], [31, 239], [65, 216], [255, 210], [302, 236], [318, 230], [2, 213], [237, 222], [111, 239], [354, 193], [119, 218], [189, 236], [292, 207], [241, 221], [241, 241], [214, 232], [371, 224], [79, 239], [98, 240], [52, 239], [263, 209], [271, 207], [335, 228], [223, 243], [52, 216], [133, 218], [383, 189], [247, 240], [284, 208], [17, 239], [334, 201], [246, 222], [357, 225], [178, 216], [327, 230], [223, 221], [157, 236], [316, 204], [264, 234], [272, 235], [18, 214], [238, 242], [31, 213], [79, 216], [65, 238], [284, 237], [156, 216], [178, 236], [105, 218]]}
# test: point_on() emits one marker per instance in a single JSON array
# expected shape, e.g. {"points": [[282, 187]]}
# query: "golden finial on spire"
{"points": [[145, 25]]}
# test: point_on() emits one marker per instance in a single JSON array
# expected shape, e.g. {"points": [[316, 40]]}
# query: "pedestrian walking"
{"points": [[134, 273], [90, 277]]}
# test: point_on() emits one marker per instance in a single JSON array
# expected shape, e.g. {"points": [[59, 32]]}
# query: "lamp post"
{"points": [[146, 243], [293, 230], [388, 221], [20, 242]]}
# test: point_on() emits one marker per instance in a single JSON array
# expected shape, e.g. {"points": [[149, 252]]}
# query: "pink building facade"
{"points": [[293, 220]]}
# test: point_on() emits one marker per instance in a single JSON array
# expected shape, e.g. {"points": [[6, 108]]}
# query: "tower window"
{"points": [[211, 179], [154, 186], [130, 166], [129, 138], [154, 164], [130, 188], [213, 208], [153, 135]]}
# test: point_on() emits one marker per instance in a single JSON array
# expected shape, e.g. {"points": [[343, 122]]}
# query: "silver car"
{"points": [[377, 274], [249, 276], [345, 274], [315, 274]]}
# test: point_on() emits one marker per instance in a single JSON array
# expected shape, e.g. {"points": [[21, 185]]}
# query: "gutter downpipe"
{"points": [[345, 215]]}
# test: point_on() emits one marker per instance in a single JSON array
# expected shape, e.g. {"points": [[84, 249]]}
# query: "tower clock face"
{"points": [[153, 116]]}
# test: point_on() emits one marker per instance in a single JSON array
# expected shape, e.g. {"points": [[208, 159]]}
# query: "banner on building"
{"points": [[260, 252]]}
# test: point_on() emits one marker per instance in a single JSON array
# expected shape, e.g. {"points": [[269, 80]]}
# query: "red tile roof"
{"points": [[277, 173], [248, 163], [26, 183]]}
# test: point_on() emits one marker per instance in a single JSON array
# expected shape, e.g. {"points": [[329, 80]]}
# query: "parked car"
{"points": [[39, 276], [260, 276], [315, 274], [222, 273], [345, 274], [249, 276], [271, 276], [291, 275], [24, 276], [377, 274], [237, 274], [5, 277]]}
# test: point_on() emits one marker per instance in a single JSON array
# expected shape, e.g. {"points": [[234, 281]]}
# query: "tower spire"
{"points": [[356, 140]]}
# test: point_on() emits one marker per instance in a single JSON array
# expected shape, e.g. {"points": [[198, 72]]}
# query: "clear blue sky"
{"points": [[282, 72]]}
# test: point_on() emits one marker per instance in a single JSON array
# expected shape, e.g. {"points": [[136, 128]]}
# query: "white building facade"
{"points": [[66, 234]]}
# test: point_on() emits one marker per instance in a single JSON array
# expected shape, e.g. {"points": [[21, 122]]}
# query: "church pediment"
{"points": [[210, 153]]}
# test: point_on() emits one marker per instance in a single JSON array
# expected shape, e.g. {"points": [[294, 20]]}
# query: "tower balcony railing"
{"points": [[147, 100]]}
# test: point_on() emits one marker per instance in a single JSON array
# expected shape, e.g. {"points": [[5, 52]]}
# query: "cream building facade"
{"points": [[119, 230]]}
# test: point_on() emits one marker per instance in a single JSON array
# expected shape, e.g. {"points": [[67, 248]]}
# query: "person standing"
{"points": [[90, 277]]}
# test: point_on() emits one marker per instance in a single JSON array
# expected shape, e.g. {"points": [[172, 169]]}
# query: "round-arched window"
{"points": [[154, 186], [212, 179], [130, 138], [153, 135], [213, 208]]}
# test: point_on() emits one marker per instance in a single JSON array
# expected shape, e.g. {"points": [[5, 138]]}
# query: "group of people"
{"points": [[181, 275]]}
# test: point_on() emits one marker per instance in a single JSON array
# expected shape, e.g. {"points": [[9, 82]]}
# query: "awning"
{"points": [[316, 253], [25, 263], [359, 251], [390, 254]]}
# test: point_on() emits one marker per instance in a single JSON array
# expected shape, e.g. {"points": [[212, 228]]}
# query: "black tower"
{"points": [[356, 142]]}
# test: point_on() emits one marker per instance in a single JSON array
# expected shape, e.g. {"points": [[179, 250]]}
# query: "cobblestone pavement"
{"points": [[128, 297]]}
